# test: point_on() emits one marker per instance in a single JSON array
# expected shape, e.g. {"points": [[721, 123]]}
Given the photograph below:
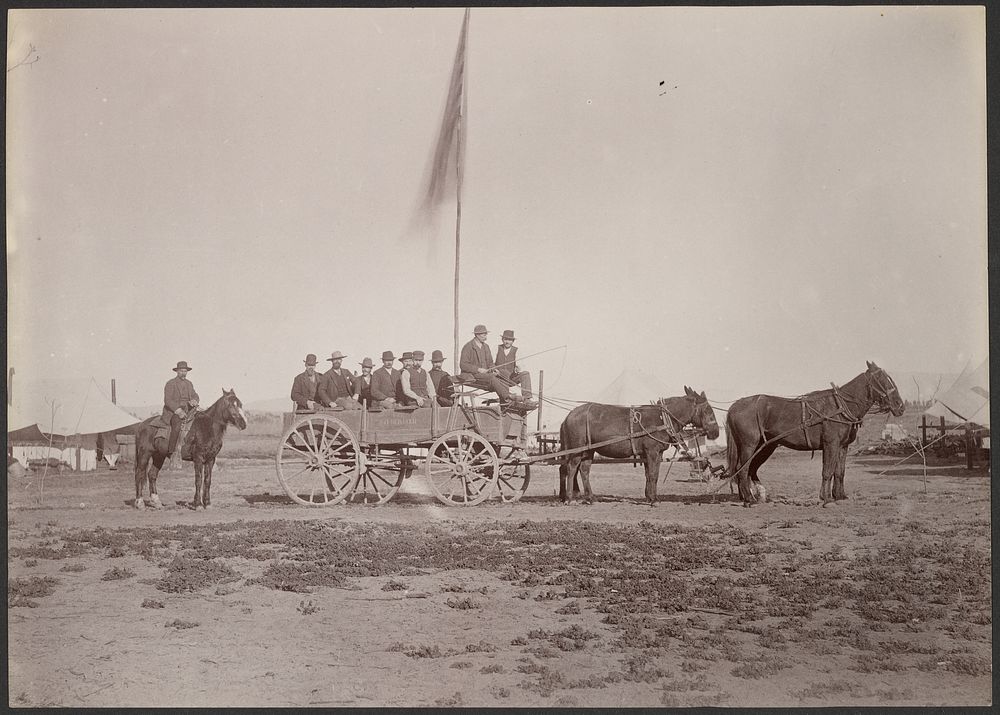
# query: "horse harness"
{"points": [[635, 418]]}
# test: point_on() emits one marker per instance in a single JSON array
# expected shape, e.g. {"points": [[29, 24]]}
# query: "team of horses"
{"points": [[756, 426], [825, 420]]}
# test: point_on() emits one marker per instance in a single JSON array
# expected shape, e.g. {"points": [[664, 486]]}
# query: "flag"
{"points": [[446, 163]]}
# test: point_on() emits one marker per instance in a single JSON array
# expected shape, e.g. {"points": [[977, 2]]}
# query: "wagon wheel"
{"points": [[382, 473], [513, 481], [317, 461], [462, 468]]}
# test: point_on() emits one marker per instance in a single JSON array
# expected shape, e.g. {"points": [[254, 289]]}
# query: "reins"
{"points": [[840, 401]]}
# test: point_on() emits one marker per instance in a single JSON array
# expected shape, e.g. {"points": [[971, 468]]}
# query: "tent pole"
{"points": [[10, 387], [114, 398]]}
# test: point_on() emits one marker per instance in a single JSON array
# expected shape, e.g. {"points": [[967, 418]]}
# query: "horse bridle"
{"points": [[882, 394]]}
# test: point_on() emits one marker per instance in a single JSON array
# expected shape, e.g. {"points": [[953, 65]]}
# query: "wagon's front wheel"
{"points": [[462, 468], [317, 461]]}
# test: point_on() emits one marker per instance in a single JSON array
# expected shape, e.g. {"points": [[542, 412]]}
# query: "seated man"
{"points": [[412, 387], [336, 387], [305, 385], [444, 386], [402, 398], [363, 383], [506, 364], [384, 381], [476, 365]]}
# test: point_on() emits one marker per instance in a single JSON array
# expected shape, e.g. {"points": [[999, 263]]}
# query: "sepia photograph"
{"points": [[498, 357]]}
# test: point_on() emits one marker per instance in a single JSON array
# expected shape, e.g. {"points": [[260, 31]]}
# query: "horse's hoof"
{"points": [[829, 502], [139, 504], [154, 501], [207, 506], [199, 507]]}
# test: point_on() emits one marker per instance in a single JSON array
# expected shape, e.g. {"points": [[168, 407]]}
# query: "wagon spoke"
{"points": [[331, 466], [461, 468]]}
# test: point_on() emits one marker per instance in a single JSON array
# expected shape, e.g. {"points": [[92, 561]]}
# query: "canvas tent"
{"points": [[68, 413], [967, 401]]}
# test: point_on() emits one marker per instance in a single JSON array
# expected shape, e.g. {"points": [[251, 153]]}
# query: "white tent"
{"points": [[967, 400], [64, 407], [73, 411]]}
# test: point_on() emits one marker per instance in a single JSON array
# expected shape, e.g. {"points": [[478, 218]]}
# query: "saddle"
{"points": [[163, 432]]}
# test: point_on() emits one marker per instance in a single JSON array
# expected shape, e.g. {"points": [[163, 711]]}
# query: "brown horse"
{"points": [[203, 443], [644, 431], [825, 419]]}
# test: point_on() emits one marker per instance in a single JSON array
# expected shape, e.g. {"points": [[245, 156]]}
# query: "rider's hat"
{"points": [[182, 365], [418, 354], [437, 356], [387, 355], [337, 355], [406, 356], [310, 360], [508, 335], [367, 362], [480, 329]]}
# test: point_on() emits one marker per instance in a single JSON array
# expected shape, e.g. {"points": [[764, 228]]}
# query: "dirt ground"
{"points": [[880, 600]]}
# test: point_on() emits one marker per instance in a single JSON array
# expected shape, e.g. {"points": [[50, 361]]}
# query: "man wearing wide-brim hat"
{"points": [[507, 369], [384, 381], [179, 397], [476, 365], [337, 385], [363, 383], [444, 386], [305, 386]]}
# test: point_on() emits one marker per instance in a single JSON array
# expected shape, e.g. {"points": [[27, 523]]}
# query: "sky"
{"points": [[740, 199]]}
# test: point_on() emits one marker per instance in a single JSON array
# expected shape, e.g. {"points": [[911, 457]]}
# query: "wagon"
{"points": [[467, 452]]}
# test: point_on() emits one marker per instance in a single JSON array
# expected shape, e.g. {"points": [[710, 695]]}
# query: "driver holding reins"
{"points": [[179, 397]]}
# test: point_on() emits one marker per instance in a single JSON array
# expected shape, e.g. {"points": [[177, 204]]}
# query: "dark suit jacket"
{"points": [[384, 383], [304, 389], [363, 389], [335, 384], [472, 358], [443, 386]]}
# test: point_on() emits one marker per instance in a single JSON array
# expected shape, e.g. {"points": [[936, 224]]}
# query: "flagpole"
{"points": [[459, 166]]}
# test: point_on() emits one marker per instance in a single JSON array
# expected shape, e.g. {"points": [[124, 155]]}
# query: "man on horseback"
{"points": [[179, 397]]}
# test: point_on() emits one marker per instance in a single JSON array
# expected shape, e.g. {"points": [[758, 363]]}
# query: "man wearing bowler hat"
{"points": [[337, 385], [179, 397], [305, 385], [476, 365], [413, 382], [506, 364], [363, 383], [444, 386], [384, 381]]}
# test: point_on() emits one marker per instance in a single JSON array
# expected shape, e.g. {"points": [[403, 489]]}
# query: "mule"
{"points": [[204, 440], [825, 419], [645, 431]]}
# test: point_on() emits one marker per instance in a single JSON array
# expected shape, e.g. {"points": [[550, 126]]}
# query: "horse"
{"points": [[203, 443], [825, 419], [616, 431]]}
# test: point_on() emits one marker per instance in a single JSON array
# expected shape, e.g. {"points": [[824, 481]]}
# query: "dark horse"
{"points": [[615, 431], [825, 419], [203, 443]]}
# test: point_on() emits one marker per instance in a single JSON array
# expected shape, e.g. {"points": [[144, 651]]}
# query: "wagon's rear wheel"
{"points": [[462, 468], [317, 461], [382, 473]]}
